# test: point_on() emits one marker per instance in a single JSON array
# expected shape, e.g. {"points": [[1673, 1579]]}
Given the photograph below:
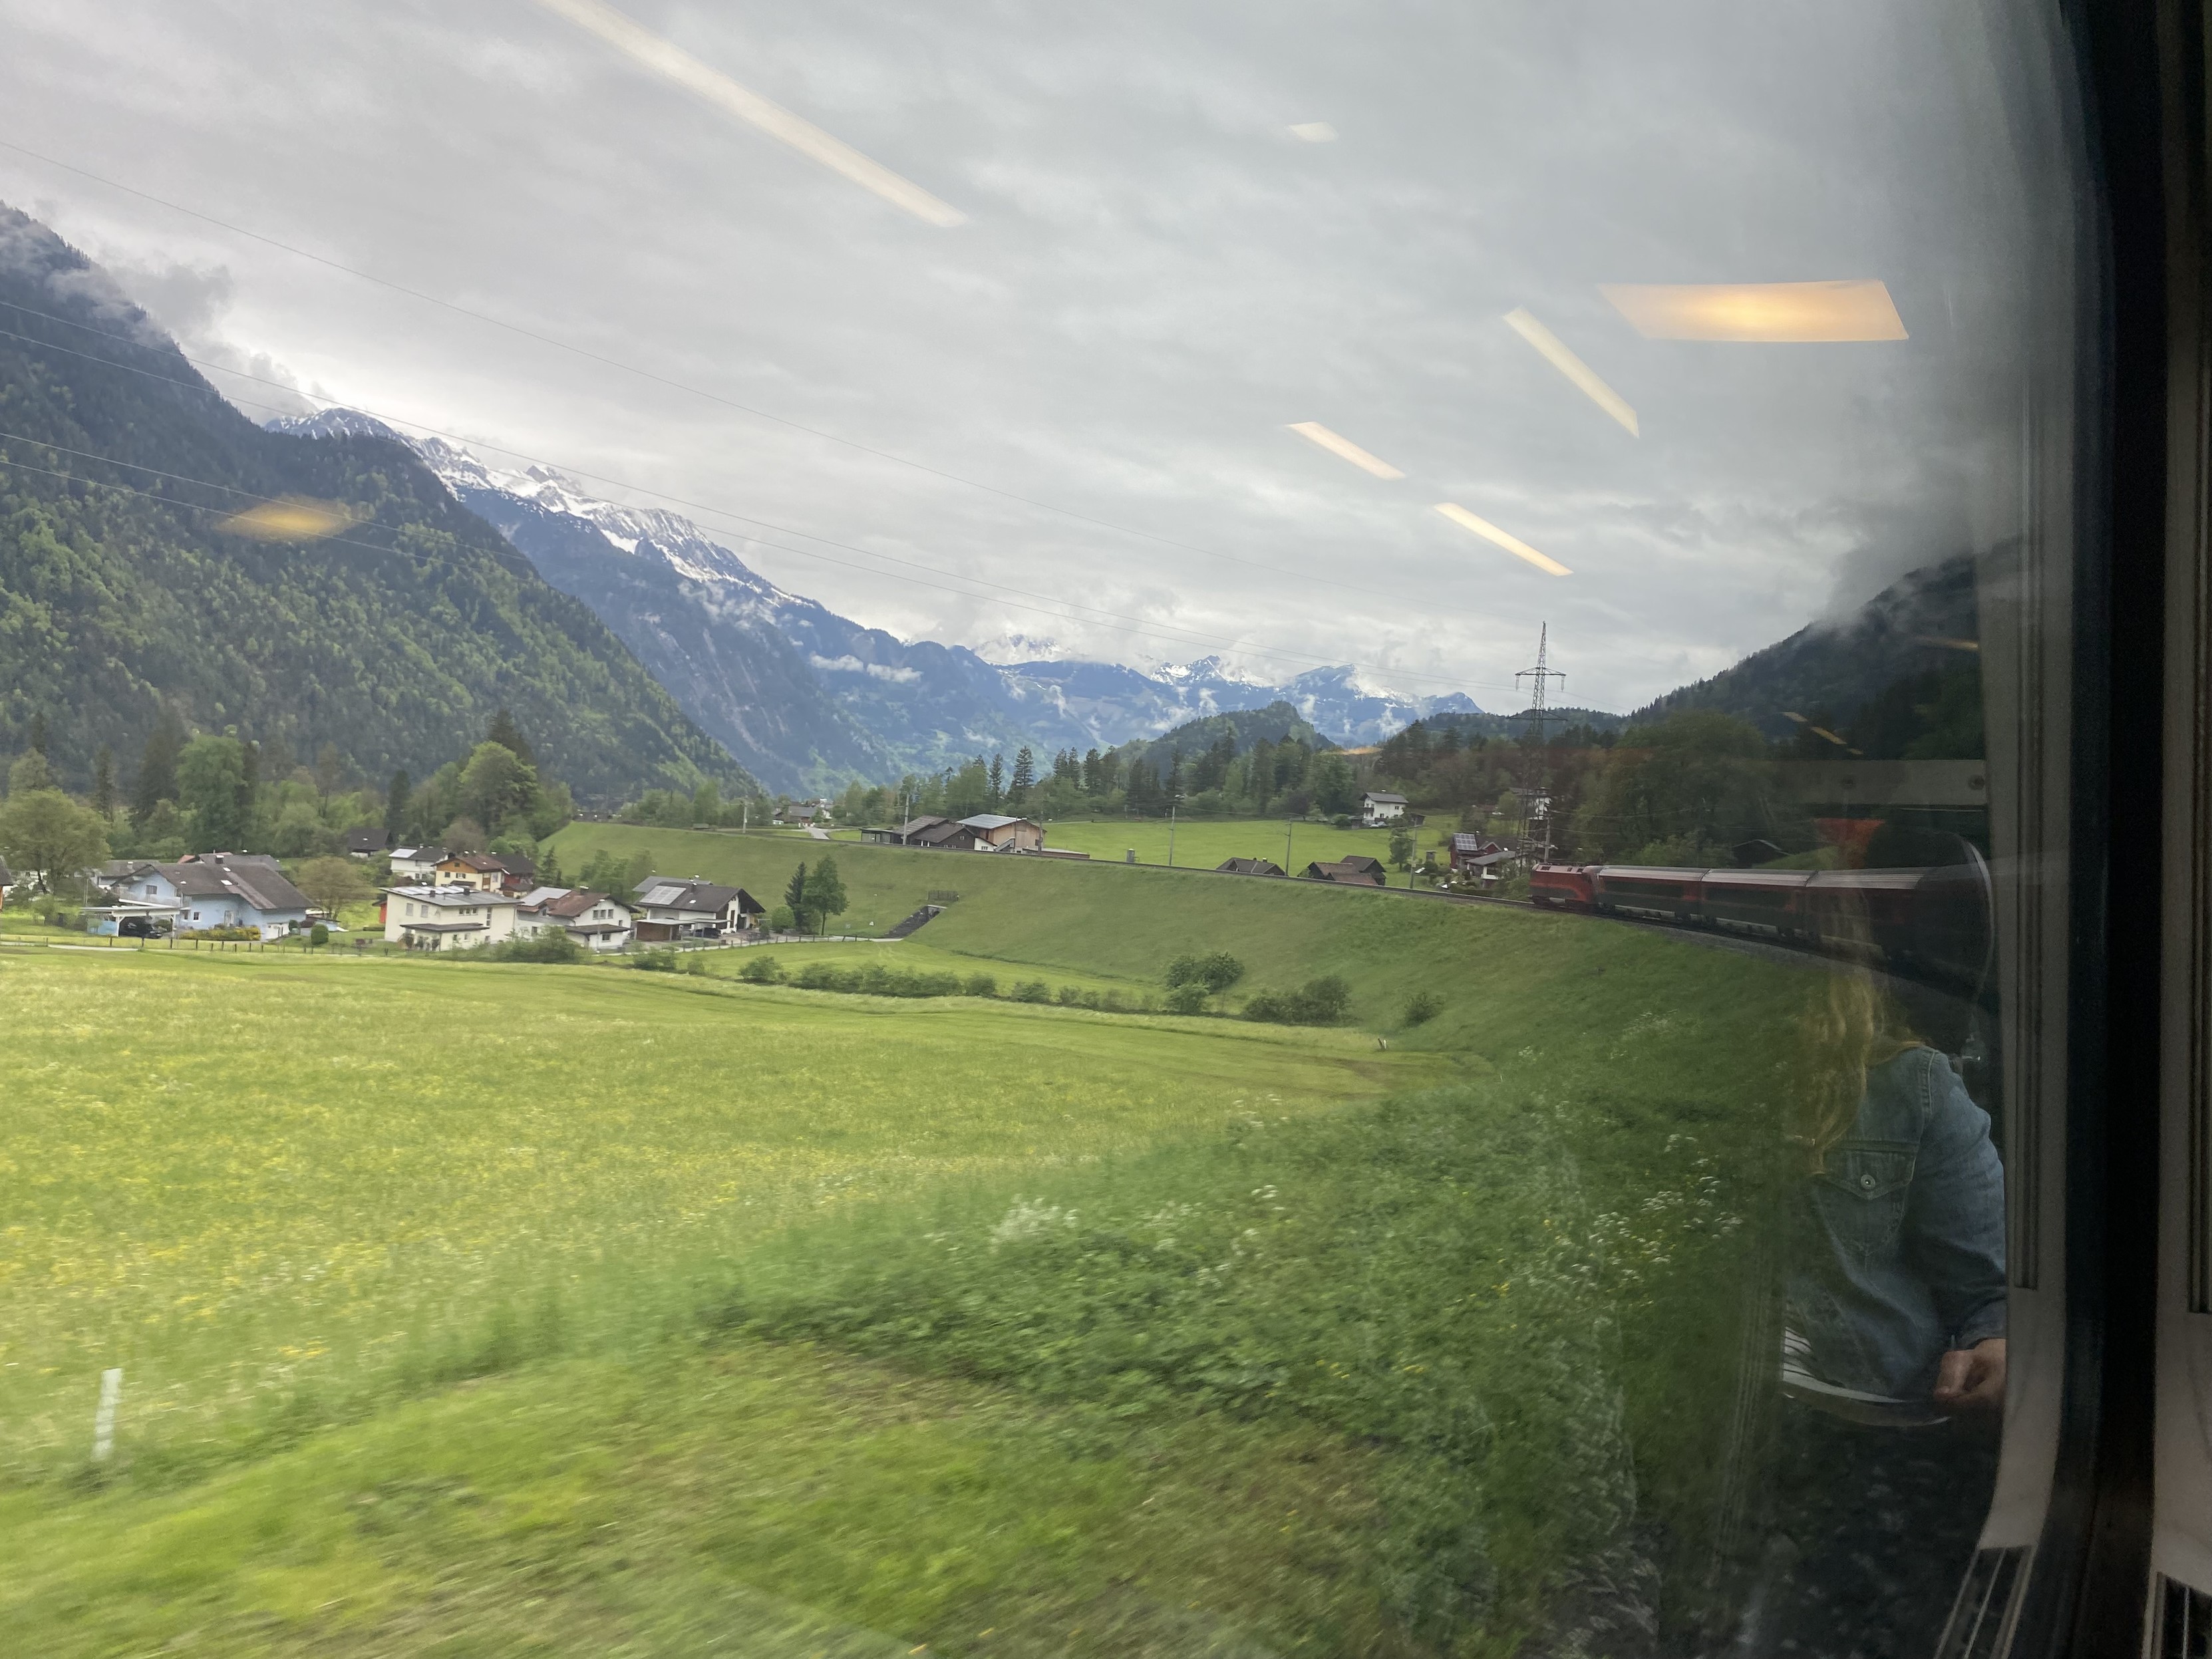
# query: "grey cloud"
{"points": [[1156, 278]]}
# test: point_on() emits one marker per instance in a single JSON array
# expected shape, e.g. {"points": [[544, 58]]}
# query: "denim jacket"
{"points": [[1901, 1236]]}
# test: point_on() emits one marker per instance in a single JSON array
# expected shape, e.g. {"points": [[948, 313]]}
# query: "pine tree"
{"points": [[998, 781], [1094, 775], [38, 734], [157, 768], [504, 732], [395, 805], [795, 897], [103, 784], [1024, 778]]}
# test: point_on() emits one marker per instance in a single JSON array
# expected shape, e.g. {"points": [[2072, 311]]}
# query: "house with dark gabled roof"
{"points": [[595, 920], [1349, 873], [1379, 806], [671, 908], [234, 890], [1249, 867], [365, 841]]}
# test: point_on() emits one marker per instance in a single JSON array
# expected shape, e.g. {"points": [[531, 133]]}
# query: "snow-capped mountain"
{"points": [[806, 698]]}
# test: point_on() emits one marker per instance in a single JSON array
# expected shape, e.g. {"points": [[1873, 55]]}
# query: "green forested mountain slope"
{"points": [[121, 595]]}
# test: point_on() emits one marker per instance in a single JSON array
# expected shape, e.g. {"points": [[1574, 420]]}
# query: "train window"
{"points": [[1314, 775]]}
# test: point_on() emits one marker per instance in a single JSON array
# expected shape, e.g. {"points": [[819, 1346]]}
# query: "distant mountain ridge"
{"points": [[129, 591], [807, 698]]}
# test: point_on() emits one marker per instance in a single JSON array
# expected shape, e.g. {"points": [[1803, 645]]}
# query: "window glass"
{"points": [[1518, 1131]]}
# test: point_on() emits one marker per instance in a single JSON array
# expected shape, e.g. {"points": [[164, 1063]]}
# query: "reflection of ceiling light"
{"points": [[1489, 531], [1344, 448], [1556, 353], [671, 63], [1772, 313], [1787, 715], [291, 519], [1950, 644], [1314, 132]]}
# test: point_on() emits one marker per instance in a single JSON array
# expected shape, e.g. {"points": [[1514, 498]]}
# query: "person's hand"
{"points": [[1972, 1379]]}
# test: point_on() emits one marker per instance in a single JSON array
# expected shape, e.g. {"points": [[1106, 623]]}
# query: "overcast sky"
{"points": [[1154, 278]]}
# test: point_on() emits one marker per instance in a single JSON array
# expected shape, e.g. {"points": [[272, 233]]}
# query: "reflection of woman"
{"points": [[1894, 1363], [1896, 1296]]}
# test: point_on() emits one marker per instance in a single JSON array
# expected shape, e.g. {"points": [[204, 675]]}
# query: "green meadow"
{"points": [[486, 1307]]}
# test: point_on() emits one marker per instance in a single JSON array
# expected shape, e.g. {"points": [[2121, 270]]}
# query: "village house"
{"points": [[994, 832], [1478, 857], [233, 890], [417, 864], [478, 870], [365, 841], [1379, 806], [453, 918], [594, 921], [671, 908], [1249, 867]]}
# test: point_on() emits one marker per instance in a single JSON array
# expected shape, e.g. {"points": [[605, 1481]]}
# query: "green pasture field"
{"points": [[485, 1307], [1202, 843]]}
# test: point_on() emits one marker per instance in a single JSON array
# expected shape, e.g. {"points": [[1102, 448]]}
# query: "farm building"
{"points": [[996, 833], [1249, 867], [1379, 806], [1355, 871]]}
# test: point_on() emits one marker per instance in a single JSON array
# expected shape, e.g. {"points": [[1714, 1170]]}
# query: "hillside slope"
{"points": [[1911, 630], [122, 595]]}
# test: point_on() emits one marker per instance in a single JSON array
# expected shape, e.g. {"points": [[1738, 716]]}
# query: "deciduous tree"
{"points": [[211, 787], [825, 892], [43, 831], [330, 883]]}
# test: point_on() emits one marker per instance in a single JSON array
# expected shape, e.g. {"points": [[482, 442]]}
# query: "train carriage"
{"points": [[1651, 893], [1766, 904]]}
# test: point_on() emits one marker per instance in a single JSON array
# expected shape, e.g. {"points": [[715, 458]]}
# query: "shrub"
{"points": [[779, 918], [1071, 996], [670, 960], [980, 985], [826, 976], [318, 936], [761, 968], [1317, 1002], [1188, 998], [554, 945], [1032, 990], [1422, 1006], [1214, 973]]}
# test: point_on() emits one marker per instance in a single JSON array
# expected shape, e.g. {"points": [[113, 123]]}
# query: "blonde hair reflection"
{"points": [[1852, 1024]]}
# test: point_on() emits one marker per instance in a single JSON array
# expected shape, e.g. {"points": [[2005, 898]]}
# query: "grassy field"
{"points": [[1202, 843], [489, 1307]]}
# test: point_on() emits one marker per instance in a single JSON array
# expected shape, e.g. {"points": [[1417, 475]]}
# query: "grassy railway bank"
{"points": [[611, 1307]]}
